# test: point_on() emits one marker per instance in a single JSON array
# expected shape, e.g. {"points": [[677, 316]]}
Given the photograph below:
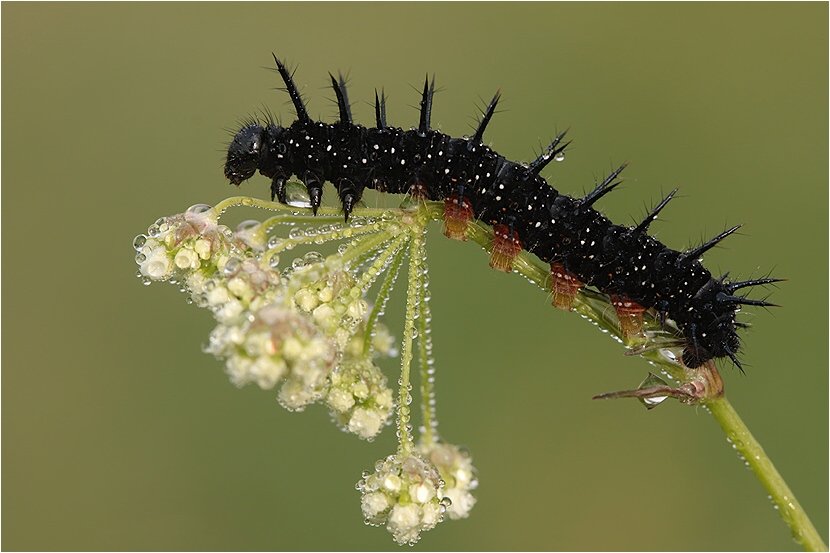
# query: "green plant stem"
{"points": [[380, 300], [587, 305], [427, 374], [745, 443], [415, 281], [309, 217]]}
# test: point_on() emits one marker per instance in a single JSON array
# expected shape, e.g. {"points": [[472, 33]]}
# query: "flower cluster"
{"points": [[405, 494], [292, 327], [308, 328], [457, 471]]}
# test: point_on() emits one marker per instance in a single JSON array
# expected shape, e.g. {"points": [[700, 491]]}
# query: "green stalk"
{"points": [[380, 300], [415, 281], [426, 361], [697, 386], [745, 443]]}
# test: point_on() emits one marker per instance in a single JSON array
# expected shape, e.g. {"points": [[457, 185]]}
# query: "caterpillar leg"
{"points": [[314, 185]]}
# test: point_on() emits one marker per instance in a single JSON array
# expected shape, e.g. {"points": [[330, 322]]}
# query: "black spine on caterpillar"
{"points": [[557, 228]]}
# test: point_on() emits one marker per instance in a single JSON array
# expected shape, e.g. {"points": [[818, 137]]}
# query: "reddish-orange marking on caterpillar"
{"points": [[564, 286], [457, 217], [506, 246], [630, 315]]}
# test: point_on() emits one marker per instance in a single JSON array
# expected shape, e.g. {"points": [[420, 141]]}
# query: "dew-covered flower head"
{"points": [[404, 493]]}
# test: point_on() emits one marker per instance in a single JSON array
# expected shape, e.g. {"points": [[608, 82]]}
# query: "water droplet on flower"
{"points": [[245, 225], [559, 157], [198, 208], [298, 263], [341, 249], [274, 261], [139, 241], [140, 258], [232, 266]]}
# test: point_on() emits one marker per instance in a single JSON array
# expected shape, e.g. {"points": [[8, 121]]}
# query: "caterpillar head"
{"points": [[245, 153]]}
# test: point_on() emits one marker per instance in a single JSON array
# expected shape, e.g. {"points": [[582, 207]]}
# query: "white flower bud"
{"points": [[217, 296], [202, 248], [340, 400], [157, 265], [186, 259], [306, 300], [373, 504], [365, 423]]}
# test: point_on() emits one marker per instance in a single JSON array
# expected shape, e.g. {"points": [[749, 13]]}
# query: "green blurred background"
{"points": [[118, 433]]}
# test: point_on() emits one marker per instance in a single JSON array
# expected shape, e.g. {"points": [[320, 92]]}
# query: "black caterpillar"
{"points": [[581, 245]]}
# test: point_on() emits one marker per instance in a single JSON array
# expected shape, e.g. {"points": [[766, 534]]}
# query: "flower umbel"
{"points": [[404, 494], [312, 327]]}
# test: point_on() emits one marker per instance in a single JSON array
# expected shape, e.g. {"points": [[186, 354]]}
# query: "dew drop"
{"points": [[139, 241], [654, 400], [198, 208], [296, 233], [559, 157], [273, 242], [274, 261], [140, 258], [313, 257], [245, 225], [232, 266]]}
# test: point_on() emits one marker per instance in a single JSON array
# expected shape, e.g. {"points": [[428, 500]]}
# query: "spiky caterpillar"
{"points": [[582, 246]]}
